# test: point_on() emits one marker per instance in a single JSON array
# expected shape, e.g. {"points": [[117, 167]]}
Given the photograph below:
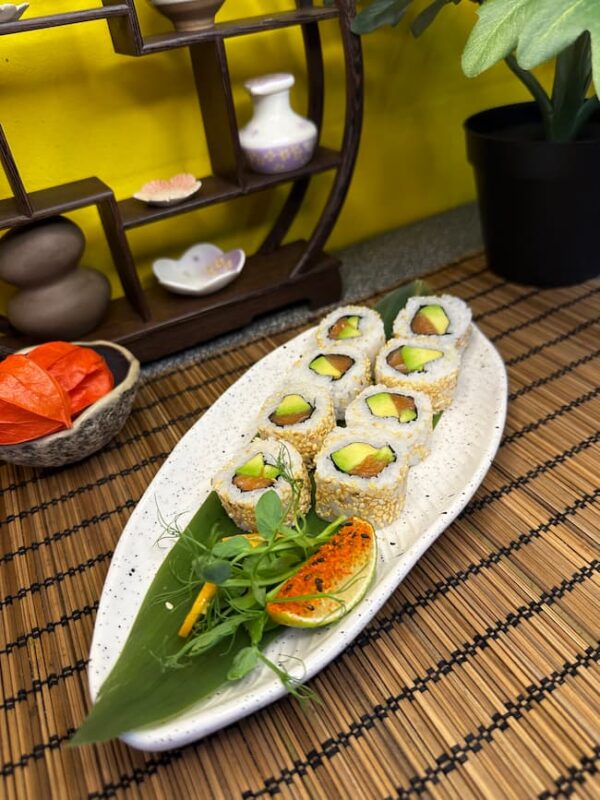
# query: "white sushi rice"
{"points": [[370, 327], [307, 436], [241, 506], [344, 389], [457, 311], [378, 499], [438, 378], [415, 435]]}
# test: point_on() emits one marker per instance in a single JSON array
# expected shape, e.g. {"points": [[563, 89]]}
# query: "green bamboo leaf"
{"points": [[141, 691], [496, 33], [394, 302]]}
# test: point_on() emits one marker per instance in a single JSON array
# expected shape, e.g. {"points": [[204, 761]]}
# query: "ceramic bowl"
{"points": [[169, 192], [202, 269], [9, 12], [94, 427]]}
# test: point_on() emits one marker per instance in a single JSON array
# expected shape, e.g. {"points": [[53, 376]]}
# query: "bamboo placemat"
{"points": [[480, 676]]}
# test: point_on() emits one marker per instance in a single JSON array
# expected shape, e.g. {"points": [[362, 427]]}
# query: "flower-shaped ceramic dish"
{"points": [[9, 12], [94, 427], [202, 269], [169, 192]]}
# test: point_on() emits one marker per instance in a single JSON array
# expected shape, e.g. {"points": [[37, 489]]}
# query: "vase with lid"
{"points": [[276, 139], [189, 15]]}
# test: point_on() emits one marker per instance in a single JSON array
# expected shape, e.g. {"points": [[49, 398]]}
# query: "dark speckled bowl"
{"points": [[94, 427]]}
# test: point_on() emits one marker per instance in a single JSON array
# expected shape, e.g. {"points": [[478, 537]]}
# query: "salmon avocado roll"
{"points": [[341, 369], [359, 325], [301, 414], [405, 415], [263, 465], [434, 315], [361, 471], [422, 364]]}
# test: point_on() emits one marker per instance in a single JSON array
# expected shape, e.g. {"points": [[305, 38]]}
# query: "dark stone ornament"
{"points": [[57, 298]]}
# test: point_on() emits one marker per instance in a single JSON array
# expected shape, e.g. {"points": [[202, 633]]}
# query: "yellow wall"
{"points": [[72, 108]]}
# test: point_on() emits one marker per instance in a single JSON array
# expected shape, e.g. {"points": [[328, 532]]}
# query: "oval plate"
{"points": [[464, 445]]}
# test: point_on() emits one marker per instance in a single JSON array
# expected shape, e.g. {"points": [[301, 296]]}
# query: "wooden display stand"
{"points": [[153, 323]]}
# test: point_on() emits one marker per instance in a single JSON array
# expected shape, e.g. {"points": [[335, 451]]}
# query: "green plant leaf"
{"points": [[553, 25], [232, 547], [495, 34], [423, 20], [243, 663], [269, 514], [256, 627], [216, 571], [394, 302], [378, 14]]}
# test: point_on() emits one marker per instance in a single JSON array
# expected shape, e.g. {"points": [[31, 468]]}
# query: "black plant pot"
{"points": [[539, 200]]}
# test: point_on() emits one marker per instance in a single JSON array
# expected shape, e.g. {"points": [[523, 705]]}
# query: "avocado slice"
{"points": [[430, 320], [322, 366], [385, 454], [385, 404], [291, 405], [270, 472], [382, 405], [415, 358], [345, 328], [253, 468], [350, 458], [407, 415]]}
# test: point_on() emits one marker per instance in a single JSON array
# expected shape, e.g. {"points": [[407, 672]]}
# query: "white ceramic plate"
{"points": [[464, 445]]}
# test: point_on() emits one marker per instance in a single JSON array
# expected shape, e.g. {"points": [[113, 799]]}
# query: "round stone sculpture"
{"points": [[57, 299]]}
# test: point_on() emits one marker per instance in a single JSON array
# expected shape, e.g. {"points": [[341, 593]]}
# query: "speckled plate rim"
{"points": [[126, 585]]}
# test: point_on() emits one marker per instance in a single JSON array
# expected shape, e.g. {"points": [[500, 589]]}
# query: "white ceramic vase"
{"points": [[189, 15], [276, 139]]}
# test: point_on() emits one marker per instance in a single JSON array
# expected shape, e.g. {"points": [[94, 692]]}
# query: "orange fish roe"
{"points": [[333, 565]]}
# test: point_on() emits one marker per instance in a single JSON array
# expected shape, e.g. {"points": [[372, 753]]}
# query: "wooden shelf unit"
{"points": [[153, 322]]}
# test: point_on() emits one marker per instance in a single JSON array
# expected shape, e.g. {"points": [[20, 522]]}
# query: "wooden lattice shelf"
{"points": [[153, 323]]}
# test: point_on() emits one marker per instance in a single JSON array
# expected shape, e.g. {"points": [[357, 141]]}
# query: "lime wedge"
{"points": [[342, 569]]}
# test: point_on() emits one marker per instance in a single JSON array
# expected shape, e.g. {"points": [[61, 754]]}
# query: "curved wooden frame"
{"points": [[351, 138], [277, 274]]}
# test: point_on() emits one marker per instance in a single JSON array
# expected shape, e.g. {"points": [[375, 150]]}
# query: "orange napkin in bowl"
{"points": [[82, 373], [32, 402]]}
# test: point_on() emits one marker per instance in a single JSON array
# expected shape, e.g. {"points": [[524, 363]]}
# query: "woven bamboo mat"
{"points": [[478, 679]]}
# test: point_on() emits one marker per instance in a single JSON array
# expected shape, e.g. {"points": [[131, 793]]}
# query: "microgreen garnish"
{"points": [[246, 570]]}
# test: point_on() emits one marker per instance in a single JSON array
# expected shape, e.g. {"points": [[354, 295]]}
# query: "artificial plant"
{"points": [[523, 33]]}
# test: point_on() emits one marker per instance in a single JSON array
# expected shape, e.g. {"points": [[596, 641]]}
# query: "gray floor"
{"points": [[367, 268]]}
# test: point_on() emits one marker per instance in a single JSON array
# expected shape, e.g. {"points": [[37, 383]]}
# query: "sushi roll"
{"points": [[301, 414], [404, 415], [362, 472], [435, 315], [342, 369], [420, 363], [256, 469], [358, 325]]}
